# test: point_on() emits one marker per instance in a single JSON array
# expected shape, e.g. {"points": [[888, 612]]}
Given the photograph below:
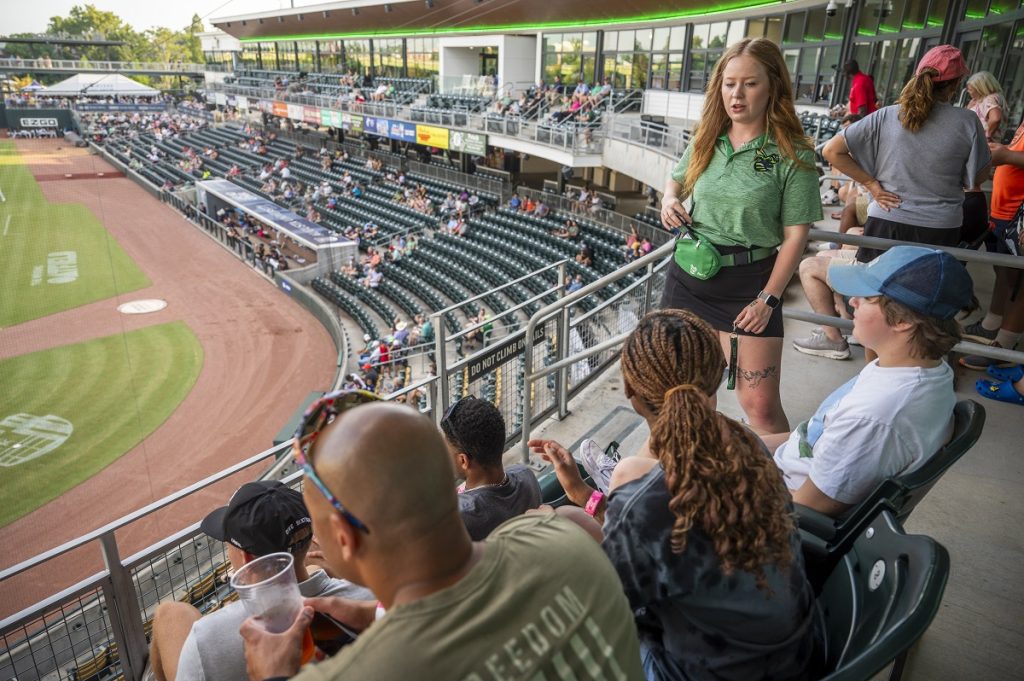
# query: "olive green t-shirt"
{"points": [[746, 196], [544, 602]]}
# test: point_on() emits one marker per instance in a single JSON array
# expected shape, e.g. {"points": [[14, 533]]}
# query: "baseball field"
{"points": [[68, 411]]}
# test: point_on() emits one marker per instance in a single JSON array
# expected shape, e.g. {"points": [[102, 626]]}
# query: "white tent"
{"points": [[100, 85]]}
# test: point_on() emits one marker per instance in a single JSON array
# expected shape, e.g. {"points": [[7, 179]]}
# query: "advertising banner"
{"points": [[352, 123], [102, 106], [311, 114], [295, 112], [468, 142], [326, 118], [432, 136], [243, 103], [402, 131], [280, 109]]}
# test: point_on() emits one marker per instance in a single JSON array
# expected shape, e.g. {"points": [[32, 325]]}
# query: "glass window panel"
{"points": [[791, 57], [834, 26], [885, 58], [737, 31], [675, 71], [589, 41], [794, 28], [915, 15], [755, 28], [611, 41], [994, 40], [890, 16], [661, 36], [1003, 6], [869, 16], [700, 36], [626, 41], [807, 77], [678, 39], [937, 12], [588, 68], [642, 41], [903, 69], [572, 43], [552, 42], [719, 33], [815, 27], [862, 54], [641, 62], [975, 9], [773, 30], [827, 69]]}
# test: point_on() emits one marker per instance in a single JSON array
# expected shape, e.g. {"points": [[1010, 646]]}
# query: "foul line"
{"points": [[7, 224]]}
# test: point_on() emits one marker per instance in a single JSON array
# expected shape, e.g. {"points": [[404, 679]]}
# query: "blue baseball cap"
{"points": [[926, 280]]}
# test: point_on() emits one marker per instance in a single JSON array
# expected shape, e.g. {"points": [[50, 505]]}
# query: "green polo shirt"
{"points": [[746, 196]]}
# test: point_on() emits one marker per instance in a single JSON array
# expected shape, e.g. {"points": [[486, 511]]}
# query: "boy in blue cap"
{"points": [[898, 410]]}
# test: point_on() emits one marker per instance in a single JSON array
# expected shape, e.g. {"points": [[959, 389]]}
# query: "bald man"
{"points": [[537, 600]]}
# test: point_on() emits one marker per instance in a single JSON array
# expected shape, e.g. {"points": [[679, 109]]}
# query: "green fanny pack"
{"points": [[699, 258]]}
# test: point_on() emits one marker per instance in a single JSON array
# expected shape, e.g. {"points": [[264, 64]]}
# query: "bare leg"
{"points": [[757, 382], [171, 624], [848, 219], [813, 277]]}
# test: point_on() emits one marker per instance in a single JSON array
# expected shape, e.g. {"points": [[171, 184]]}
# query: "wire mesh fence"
{"points": [[71, 640]]}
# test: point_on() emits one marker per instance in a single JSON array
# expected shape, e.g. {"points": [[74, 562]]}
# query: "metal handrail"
{"points": [[43, 63], [529, 375]]}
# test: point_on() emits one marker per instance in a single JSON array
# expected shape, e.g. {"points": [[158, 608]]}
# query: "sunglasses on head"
{"points": [[446, 420], [319, 415]]}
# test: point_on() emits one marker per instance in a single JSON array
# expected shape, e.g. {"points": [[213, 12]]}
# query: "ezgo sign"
{"points": [[38, 122]]}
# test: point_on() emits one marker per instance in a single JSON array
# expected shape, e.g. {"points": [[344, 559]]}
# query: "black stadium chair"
{"points": [[880, 599], [826, 540]]}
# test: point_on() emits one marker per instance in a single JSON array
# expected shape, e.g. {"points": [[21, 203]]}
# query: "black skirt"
{"points": [[719, 300]]}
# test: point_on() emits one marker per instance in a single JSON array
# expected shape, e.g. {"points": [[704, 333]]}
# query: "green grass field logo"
{"points": [[24, 437]]}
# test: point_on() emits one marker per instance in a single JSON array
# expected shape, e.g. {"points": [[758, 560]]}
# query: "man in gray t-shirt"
{"points": [[262, 517], [475, 434]]}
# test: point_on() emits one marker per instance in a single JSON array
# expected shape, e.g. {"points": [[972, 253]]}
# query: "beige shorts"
{"points": [[862, 202]]}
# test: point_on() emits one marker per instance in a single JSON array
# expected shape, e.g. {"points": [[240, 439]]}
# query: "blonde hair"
{"points": [[719, 476], [782, 121], [919, 96], [985, 84]]}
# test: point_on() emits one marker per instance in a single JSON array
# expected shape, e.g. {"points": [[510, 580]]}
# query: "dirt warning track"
{"points": [[263, 353]]}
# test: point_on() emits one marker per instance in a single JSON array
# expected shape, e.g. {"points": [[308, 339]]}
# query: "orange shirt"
{"points": [[1008, 183]]}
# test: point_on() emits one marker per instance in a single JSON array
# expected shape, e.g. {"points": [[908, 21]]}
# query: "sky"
{"points": [[32, 17]]}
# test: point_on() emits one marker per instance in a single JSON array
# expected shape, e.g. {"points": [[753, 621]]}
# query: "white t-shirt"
{"points": [[878, 424]]}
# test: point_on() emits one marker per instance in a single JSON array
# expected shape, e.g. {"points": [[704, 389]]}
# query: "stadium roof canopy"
{"points": [[99, 85], [357, 18]]}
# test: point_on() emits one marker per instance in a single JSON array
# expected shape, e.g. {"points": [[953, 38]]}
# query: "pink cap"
{"points": [[945, 59]]}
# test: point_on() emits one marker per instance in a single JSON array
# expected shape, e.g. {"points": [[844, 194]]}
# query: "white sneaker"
{"points": [[597, 464]]}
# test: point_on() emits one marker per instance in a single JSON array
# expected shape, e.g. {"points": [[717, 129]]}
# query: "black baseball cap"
{"points": [[262, 517]]}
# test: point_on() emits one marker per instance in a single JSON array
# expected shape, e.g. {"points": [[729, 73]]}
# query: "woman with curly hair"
{"points": [[750, 172], [699, 524]]}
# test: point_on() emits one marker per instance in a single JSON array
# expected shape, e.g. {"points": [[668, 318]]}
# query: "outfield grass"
{"points": [[114, 390], [37, 275]]}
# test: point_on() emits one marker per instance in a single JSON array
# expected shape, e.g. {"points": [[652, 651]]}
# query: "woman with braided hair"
{"points": [[699, 524]]}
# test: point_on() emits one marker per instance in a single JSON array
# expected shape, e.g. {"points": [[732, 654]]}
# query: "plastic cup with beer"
{"points": [[269, 592]]}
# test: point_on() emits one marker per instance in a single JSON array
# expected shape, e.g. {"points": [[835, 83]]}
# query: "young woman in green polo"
{"points": [[750, 171]]}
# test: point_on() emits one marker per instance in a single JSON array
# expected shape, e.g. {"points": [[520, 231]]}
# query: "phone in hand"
{"points": [[329, 634]]}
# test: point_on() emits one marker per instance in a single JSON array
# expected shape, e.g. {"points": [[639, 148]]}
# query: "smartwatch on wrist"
{"points": [[768, 299]]}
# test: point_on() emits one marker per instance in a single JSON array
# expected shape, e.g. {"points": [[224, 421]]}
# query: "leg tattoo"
{"points": [[754, 378]]}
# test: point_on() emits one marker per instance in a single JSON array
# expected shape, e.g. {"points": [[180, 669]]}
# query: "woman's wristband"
{"points": [[593, 503]]}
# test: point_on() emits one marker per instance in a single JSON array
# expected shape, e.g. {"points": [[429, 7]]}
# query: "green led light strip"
{"points": [[716, 9]]}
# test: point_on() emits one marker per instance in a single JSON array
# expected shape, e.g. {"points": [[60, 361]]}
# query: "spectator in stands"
{"points": [[1003, 324], [262, 517], [570, 230], [585, 256], [899, 409], [400, 534], [749, 144], [474, 431], [988, 102], [575, 284], [863, 99], [922, 130], [699, 524], [541, 210]]}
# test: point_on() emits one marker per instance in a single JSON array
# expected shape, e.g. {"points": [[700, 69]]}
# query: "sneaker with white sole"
{"points": [[597, 463], [979, 334], [820, 345]]}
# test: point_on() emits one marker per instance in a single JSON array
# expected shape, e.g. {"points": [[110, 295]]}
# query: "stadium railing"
{"points": [[617, 221], [86, 65], [450, 175]]}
